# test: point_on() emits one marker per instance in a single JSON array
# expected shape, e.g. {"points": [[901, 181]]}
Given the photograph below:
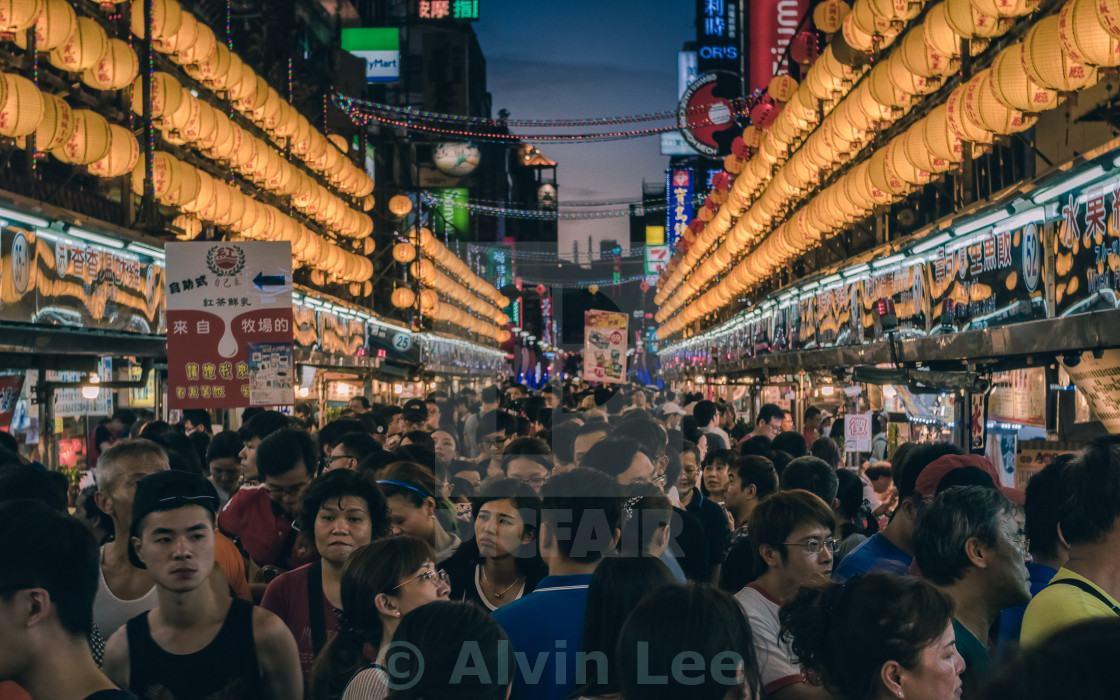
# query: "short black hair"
{"points": [[792, 442], [263, 424], [759, 471], [647, 432], [181, 453], [812, 412], [1043, 507], [769, 412], [704, 411], [421, 439], [563, 441], [826, 448], [358, 445], [813, 475], [876, 473], [197, 416], [532, 449], [755, 445], [582, 506], [495, 422], [125, 416], [948, 521], [489, 394], [330, 433], [282, 451], [225, 445], [778, 515], [43, 548], [344, 482], [612, 455], [22, 481], [1092, 487], [362, 401]]}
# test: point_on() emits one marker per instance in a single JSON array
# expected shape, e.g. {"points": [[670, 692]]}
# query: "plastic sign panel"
{"points": [[678, 198], [229, 324], [717, 34], [1099, 382], [604, 346], [453, 218], [10, 388], [773, 25], [857, 432], [379, 47], [657, 257]]}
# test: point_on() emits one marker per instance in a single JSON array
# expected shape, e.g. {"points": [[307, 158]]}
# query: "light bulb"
{"points": [[92, 392]]}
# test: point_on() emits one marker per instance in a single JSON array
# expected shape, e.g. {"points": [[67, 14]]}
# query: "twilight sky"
{"points": [[552, 59]]}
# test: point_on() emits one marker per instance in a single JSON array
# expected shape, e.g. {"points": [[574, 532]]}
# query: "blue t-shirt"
{"points": [[876, 554], [1011, 619], [542, 626]]}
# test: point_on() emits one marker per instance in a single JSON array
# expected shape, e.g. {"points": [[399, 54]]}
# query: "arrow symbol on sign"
{"points": [[262, 280]]}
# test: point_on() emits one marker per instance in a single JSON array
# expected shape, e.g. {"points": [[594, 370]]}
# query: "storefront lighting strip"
{"points": [[887, 261], [932, 243], [1056, 191], [147, 250], [977, 224], [24, 218], [1021, 219], [92, 237]]}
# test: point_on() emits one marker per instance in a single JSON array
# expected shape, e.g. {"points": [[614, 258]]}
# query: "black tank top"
{"points": [[226, 669]]}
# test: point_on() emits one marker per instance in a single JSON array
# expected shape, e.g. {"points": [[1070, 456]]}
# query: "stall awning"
{"points": [[31, 346]]}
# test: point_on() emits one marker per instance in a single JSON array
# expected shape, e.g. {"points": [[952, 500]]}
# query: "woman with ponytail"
{"points": [[876, 637], [381, 582]]}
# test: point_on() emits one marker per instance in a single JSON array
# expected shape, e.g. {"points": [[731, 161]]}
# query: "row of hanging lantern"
{"points": [[1059, 53], [431, 306]]}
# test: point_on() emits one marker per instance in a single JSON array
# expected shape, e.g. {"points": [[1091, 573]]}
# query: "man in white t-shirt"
{"points": [[792, 533]]}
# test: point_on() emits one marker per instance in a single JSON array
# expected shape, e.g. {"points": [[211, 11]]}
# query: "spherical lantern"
{"points": [[167, 95], [969, 22], [53, 25], [400, 206], [18, 15], [57, 124], [116, 68], [920, 58], [964, 128], [829, 14], [201, 49], [1006, 8], [1082, 36], [983, 109], [1014, 88], [781, 87], [404, 253], [895, 10], [190, 227], [403, 298], [941, 140], [1047, 64], [123, 153], [89, 141], [167, 15], [594, 288], [82, 49], [804, 48], [428, 300], [939, 35], [163, 175], [184, 36], [764, 114]]}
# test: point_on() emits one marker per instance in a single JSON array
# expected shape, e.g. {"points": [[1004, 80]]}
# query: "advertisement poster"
{"points": [[1087, 249], [857, 432], [229, 320], [1099, 382], [604, 351], [1032, 459], [10, 388], [1019, 396], [905, 287]]}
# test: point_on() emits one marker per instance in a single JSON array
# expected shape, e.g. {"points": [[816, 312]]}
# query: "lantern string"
{"points": [[540, 214]]}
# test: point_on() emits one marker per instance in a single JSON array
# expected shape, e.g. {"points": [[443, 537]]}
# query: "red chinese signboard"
{"points": [[229, 324], [773, 24]]}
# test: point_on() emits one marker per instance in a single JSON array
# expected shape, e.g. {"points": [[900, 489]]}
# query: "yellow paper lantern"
{"points": [[167, 95], [184, 36], [855, 35], [1006, 8], [782, 87], [400, 206], [920, 59], [54, 24], [404, 253], [201, 49], [983, 109], [403, 298], [939, 138], [190, 227], [18, 15], [167, 15], [21, 106], [339, 142], [1014, 88], [829, 14], [1047, 64], [124, 151], [82, 49], [116, 68], [964, 128], [939, 35], [163, 177], [89, 142], [1082, 36], [969, 22], [895, 10], [57, 124]]}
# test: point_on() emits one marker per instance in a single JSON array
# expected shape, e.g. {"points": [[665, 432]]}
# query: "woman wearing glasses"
{"points": [[417, 507], [381, 583], [502, 563]]}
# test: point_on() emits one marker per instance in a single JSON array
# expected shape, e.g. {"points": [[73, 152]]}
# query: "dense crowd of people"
{"points": [[569, 543]]}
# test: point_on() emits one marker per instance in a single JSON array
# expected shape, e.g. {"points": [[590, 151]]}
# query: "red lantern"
{"points": [[541, 289], [696, 226], [764, 113], [644, 286], [710, 203], [682, 246], [722, 181], [739, 148], [804, 48]]}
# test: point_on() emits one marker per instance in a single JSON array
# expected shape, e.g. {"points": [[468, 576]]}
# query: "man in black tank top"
{"points": [[47, 585], [196, 644]]}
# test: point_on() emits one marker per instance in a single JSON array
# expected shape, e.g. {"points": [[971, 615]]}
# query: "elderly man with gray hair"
{"points": [[970, 542]]}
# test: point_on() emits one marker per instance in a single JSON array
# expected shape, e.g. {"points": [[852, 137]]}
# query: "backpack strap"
{"points": [[1087, 588]]}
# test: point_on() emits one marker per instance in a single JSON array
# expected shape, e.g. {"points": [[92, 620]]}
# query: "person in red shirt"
{"points": [[345, 510]]}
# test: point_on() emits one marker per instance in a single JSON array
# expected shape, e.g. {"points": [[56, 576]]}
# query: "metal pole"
{"points": [[46, 421]]}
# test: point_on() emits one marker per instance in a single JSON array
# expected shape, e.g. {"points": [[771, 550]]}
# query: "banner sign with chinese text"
{"points": [[229, 324], [1087, 250], [773, 24], [678, 197], [905, 287], [447, 9], [604, 349], [717, 35]]}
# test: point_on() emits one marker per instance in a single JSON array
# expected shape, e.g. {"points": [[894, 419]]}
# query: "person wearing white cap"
{"points": [[671, 414]]}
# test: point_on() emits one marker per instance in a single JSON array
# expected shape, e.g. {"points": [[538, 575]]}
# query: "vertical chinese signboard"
{"points": [[678, 197], [773, 24], [229, 324], [604, 348]]}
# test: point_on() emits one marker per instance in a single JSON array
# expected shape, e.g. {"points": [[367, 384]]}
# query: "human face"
{"points": [[396, 424], [527, 472], [716, 477], [117, 499], [800, 567], [702, 445], [690, 473], [177, 547], [514, 394], [339, 459], [640, 471], [285, 489], [341, 526], [417, 591], [937, 675], [493, 444], [433, 416], [499, 529], [585, 442], [407, 519], [786, 424], [552, 400], [445, 446], [356, 406], [735, 497], [249, 458], [639, 400], [226, 472], [1010, 566], [470, 475]]}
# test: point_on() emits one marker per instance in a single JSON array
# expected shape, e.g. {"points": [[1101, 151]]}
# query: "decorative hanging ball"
{"points": [[781, 87], [123, 153], [116, 68], [829, 14], [339, 142], [53, 25], [594, 288], [740, 148], [189, 226], [89, 141], [764, 114], [696, 226], [804, 48], [400, 205], [404, 253], [57, 124], [82, 49]]}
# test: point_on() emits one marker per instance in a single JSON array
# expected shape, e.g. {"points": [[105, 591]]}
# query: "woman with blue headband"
{"points": [[418, 509]]}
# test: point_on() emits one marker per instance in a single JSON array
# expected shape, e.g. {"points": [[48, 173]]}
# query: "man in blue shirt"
{"points": [[580, 522]]}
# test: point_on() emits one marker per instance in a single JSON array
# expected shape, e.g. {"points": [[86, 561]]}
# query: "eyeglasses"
{"points": [[659, 480], [493, 441], [1021, 543], [281, 491], [815, 546], [433, 577], [534, 481]]}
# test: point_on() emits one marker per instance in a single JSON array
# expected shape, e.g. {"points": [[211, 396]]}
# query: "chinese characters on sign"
{"points": [[678, 197], [447, 9], [857, 432], [230, 327], [773, 25], [604, 350]]}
